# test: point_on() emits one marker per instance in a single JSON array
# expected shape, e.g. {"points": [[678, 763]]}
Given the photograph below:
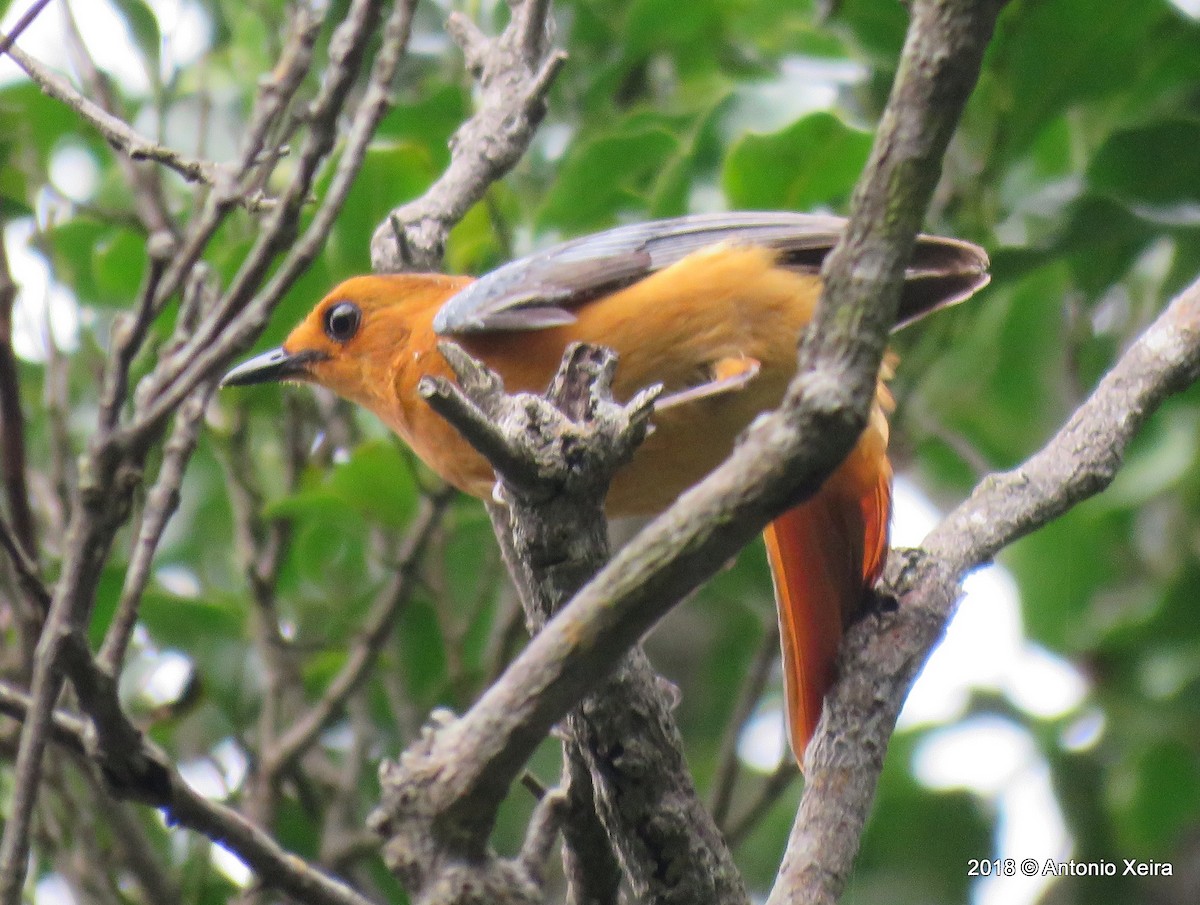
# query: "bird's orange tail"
{"points": [[824, 554]]}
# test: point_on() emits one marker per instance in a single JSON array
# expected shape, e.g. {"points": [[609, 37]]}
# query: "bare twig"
{"points": [[115, 131], [304, 731], [752, 689], [19, 538], [275, 867], [514, 71], [276, 93], [161, 503], [768, 796], [12, 422], [23, 23], [543, 829], [237, 320], [129, 332], [148, 194]]}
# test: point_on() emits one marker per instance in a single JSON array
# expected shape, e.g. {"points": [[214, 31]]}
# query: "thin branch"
{"points": [[515, 71], [752, 688], [145, 181], [115, 131], [26, 568], [35, 9], [129, 332], [275, 96], [12, 421], [161, 503], [541, 834], [768, 796], [305, 730], [238, 320], [274, 866]]}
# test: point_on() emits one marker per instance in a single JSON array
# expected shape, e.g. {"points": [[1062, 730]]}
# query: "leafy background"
{"points": [[1077, 166]]}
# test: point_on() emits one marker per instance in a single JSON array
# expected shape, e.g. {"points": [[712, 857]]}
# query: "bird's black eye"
{"points": [[342, 320]]}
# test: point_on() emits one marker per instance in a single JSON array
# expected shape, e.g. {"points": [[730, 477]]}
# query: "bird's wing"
{"points": [[540, 290]]}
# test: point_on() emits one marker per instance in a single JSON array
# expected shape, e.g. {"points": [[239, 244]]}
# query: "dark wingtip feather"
{"points": [[943, 272]]}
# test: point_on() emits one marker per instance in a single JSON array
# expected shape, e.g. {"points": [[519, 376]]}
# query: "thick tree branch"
{"points": [[882, 655], [637, 777], [783, 457]]}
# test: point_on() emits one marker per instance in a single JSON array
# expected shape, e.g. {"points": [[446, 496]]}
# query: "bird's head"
{"points": [[353, 338]]}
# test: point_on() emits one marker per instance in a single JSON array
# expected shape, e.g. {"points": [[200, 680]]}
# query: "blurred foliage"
{"points": [[1077, 166]]}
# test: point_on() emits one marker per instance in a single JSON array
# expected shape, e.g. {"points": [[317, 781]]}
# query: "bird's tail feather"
{"points": [[824, 554]]}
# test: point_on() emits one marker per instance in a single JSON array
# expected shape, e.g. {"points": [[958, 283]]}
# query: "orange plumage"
{"points": [[709, 306]]}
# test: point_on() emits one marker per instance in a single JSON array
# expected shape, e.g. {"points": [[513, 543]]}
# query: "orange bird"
{"points": [[710, 306]]}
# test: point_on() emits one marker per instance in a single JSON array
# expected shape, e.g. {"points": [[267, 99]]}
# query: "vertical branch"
{"points": [[12, 421], [161, 503], [940, 63]]}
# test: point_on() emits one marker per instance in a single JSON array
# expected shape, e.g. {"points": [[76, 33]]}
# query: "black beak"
{"points": [[278, 364]]}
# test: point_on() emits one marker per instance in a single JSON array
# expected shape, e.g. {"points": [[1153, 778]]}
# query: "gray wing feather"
{"points": [[539, 291]]}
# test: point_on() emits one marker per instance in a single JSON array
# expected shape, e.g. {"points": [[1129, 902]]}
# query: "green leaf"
{"points": [[878, 27], [654, 24], [1157, 461], [1165, 795], [815, 161], [70, 246], [179, 621], [606, 174], [35, 123], [14, 192], [423, 650], [376, 483], [392, 172], [1129, 53], [1142, 165], [120, 261]]}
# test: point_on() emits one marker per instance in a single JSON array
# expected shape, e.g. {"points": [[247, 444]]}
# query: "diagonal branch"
{"points": [[882, 656], [119, 134], [515, 71], [305, 730], [782, 458], [12, 421], [274, 866]]}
